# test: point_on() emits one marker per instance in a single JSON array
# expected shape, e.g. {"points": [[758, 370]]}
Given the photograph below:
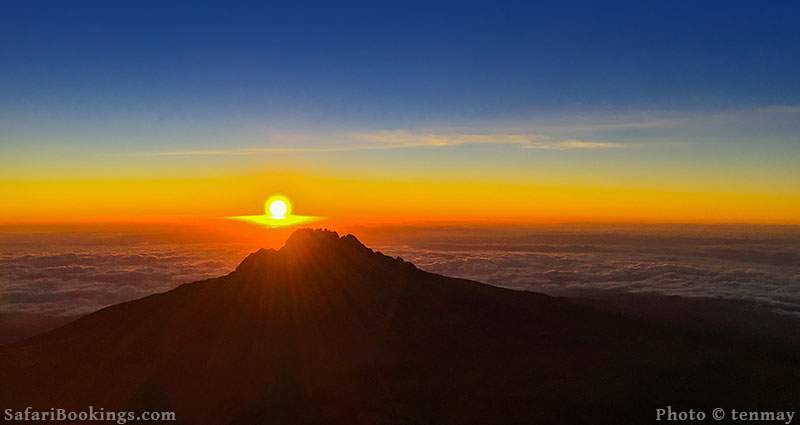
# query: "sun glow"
{"points": [[278, 213]]}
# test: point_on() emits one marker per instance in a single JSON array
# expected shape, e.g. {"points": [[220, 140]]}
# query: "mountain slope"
{"points": [[325, 330]]}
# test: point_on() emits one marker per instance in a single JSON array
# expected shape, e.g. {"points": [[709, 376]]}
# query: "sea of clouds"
{"points": [[76, 273], [48, 274], [737, 266]]}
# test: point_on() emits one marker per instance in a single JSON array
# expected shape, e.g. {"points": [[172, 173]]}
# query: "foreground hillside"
{"points": [[325, 330]]}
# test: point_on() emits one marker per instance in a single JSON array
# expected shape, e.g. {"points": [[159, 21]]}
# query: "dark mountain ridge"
{"points": [[326, 330]]}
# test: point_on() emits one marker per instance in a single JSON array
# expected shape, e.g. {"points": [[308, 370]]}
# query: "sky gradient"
{"points": [[547, 112]]}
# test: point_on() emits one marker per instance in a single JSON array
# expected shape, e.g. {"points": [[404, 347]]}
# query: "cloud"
{"points": [[76, 283], [575, 144], [605, 124], [757, 270], [531, 141], [256, 151], [67, 280], [380, 140]]}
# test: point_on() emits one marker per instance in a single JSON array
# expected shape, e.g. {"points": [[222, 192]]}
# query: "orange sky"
{"points": [[378, 198]]}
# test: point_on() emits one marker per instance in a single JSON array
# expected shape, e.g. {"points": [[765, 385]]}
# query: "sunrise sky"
{"points": [[462, 112]]}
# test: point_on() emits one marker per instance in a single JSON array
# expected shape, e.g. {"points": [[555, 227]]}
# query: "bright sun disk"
{"points": [[278, 209], [277, 213]]}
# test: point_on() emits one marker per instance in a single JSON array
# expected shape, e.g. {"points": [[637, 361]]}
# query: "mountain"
{"points": [[327, 331]]}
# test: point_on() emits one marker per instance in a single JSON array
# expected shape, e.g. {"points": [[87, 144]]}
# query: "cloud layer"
{"points": [[64, 283], [70, 277], [764, 270]]}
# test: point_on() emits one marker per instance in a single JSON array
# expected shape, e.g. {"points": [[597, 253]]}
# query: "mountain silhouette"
{"points": [[327, 331]]}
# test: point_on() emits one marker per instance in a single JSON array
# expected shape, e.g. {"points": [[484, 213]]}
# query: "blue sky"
{"points": [[706, 88], [392, 66]]}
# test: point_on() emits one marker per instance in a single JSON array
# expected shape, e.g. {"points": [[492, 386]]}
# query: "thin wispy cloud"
{"points": [[379, 140], [588, 126], [576, 144], [523, 140], [591, 132], [655, 126]]}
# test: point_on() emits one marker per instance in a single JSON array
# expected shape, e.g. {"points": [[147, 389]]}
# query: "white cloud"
{"points": [[581, 132], [762, 270], [376, 140]]}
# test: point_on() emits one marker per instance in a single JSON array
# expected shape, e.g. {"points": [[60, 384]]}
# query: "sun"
{"points": [[277, 213], [278, 207]]}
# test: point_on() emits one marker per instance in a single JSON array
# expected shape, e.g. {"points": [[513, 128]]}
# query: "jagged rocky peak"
{"points": [[309, 245], [318, 238]]}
